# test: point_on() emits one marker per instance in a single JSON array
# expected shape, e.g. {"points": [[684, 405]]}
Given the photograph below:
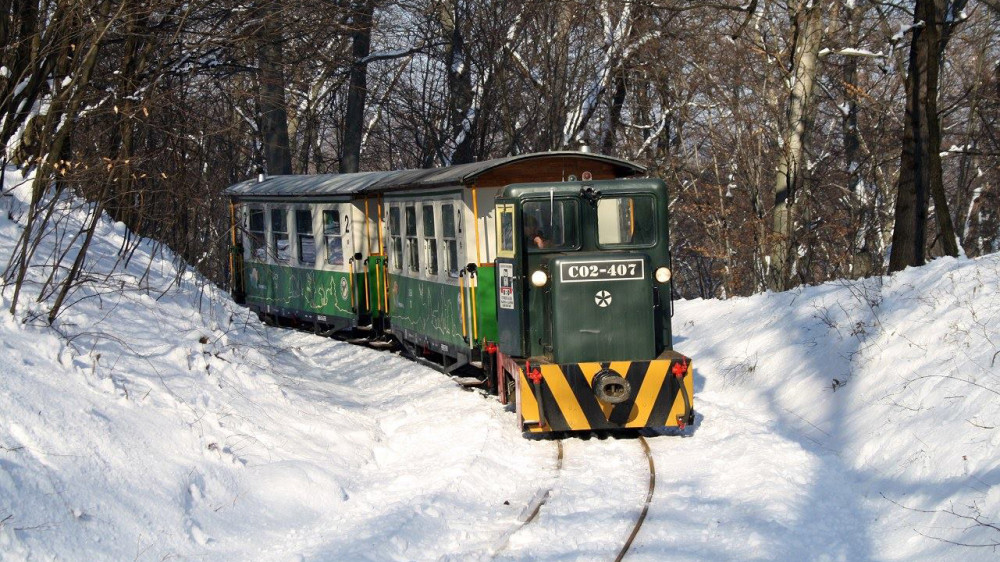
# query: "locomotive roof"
{"points": [[313, 185]]}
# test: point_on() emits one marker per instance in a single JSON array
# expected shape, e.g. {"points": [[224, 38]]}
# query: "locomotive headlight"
{"points": [[539, 278], [662, 275]]}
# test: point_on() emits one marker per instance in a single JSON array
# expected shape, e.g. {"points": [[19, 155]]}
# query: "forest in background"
{"points": [[802, 141]]}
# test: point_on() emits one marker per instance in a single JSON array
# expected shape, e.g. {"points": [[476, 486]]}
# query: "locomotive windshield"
{"points": [[550, 225], [626, 221]]}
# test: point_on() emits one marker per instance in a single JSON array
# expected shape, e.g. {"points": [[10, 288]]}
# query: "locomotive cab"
{"points": [[585, 257], [583, 305]]}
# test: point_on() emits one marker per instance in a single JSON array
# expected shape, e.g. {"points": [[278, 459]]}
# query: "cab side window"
{"points": [[507, 231]]}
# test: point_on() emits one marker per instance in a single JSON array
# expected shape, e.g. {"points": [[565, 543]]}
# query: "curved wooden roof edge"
{"points": [[488, 173]]}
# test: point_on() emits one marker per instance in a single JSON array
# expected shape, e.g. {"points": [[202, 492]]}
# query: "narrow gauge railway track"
{"points": [[645, 507], [532, 510], [534, 507]]}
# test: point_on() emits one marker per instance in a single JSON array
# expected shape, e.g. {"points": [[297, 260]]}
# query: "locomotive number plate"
{"points": [[603, 270]]}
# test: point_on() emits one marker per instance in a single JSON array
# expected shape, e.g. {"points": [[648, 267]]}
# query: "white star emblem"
{"points": [[602, 298]]}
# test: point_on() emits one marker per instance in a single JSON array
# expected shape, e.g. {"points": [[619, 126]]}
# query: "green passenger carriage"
{"points": [[547, 275]]}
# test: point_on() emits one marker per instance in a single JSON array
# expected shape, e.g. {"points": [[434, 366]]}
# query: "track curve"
{"points": [[649, 498], [531, 512]]}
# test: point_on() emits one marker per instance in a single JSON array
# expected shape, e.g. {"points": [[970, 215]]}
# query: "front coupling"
{"points": [[611, 388]]}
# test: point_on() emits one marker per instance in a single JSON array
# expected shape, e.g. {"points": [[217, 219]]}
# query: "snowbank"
{"points": [[883, 394]]}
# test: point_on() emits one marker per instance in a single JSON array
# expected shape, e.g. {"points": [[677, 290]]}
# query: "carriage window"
{"points": [[258, 250], [279, 234], [450, 241], [430, 241], [626, 221], [304, 235], [550, 225], [331, 234], [412, 249], [395, 242]]}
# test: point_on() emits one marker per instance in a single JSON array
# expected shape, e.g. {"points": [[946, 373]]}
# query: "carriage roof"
{"points": [[535, 167]]}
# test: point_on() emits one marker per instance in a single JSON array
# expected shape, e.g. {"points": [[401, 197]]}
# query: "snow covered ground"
{"points": [[849, 421]]}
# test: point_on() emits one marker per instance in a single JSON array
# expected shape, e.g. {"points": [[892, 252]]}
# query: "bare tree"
{"points": [[271, 86], [354, 114], [772, 122], [920, 175], [807, 35]]}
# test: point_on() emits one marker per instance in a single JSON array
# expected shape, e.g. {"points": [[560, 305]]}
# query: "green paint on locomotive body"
{"points": [[295, 288], [428, 308]]}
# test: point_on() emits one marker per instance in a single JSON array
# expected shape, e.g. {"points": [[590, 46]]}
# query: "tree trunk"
{"points": [[78, 67], [807, 26], [357, 92], [610, 128], [865, 258], [271, 90], [970, 160], [920, 159], [31, 53], [460, 96]]}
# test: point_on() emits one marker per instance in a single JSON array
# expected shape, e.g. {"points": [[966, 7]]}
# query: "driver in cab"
{"points": [[533, 236]]}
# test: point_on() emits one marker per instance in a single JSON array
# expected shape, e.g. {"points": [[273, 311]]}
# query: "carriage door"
{"points": [[509, 282]]}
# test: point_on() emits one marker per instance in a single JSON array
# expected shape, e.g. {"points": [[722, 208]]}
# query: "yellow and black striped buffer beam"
{"points": [[570, 403]]}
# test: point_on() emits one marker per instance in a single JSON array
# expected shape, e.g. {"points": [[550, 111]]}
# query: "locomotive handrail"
{"points": [[670, 295]]}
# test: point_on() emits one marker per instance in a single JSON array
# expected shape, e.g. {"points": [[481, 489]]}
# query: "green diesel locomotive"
{"points": [[547, 275]]}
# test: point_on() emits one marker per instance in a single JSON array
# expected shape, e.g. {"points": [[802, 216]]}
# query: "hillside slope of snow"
{"points": [[883, 398], [156, 419]]}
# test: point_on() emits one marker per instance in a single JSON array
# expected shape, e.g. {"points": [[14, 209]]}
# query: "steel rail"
{"points": [[545, 498], [534, 512], [649, 498]]}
